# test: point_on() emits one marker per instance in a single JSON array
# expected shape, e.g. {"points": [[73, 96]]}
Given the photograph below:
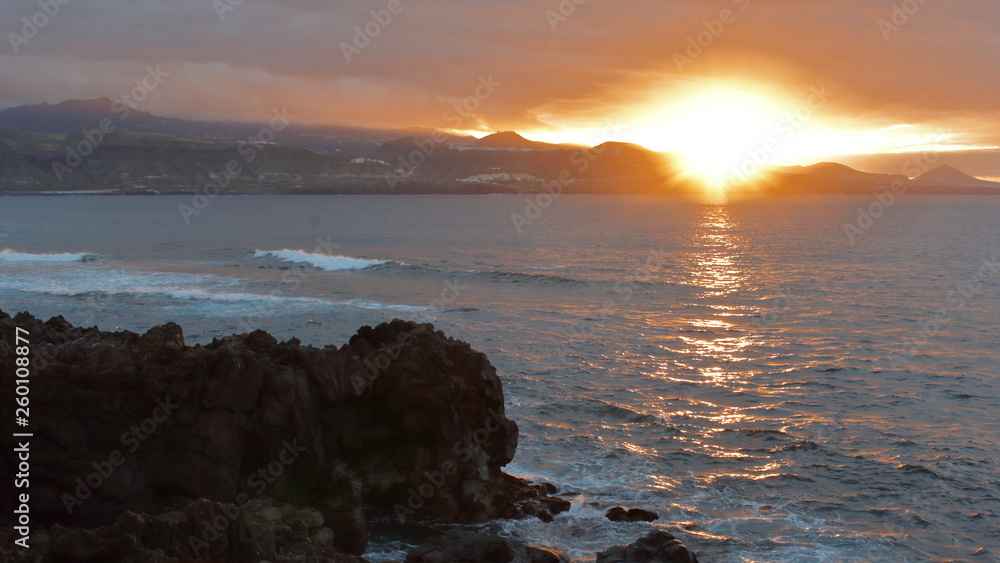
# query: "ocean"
{"points": [[807, 378]]}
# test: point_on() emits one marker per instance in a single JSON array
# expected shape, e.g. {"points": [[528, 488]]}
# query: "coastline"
{"points": [[620, 187], [142, 445]]}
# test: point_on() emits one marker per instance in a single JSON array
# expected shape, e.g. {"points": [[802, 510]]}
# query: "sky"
{"points": [[823, 79]]}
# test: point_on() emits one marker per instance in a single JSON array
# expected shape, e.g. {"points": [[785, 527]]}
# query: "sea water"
{"points": [[781, 379]]}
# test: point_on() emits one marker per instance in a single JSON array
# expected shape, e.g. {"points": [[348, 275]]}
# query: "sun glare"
{"points": [[727, 136], [715, 131]]}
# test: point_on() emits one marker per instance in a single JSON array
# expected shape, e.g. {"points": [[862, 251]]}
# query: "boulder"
{"points": [[656, 547], [619, 514]]}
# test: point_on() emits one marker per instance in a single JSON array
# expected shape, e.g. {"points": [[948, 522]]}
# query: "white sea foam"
{"points": [[321, 261], [8, 255], [363, 304], [220, 290], [87, 281]]}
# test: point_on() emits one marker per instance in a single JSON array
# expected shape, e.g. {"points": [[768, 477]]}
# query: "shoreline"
{"points": [[150, 444]]}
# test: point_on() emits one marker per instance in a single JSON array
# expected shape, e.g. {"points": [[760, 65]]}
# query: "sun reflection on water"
{"points": [[714, 267], [713, 346]]}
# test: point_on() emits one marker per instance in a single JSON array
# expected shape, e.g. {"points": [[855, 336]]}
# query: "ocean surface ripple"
{"points": [[773, 390]]}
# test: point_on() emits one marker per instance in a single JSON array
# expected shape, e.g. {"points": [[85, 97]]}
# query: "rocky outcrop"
{"points": [[656, 547], [201, 530], [619, 514], [534, 499], [459, 545], [401, 418]]}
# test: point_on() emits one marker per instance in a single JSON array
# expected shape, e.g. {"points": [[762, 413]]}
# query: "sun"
{"points": [[716, 131]]}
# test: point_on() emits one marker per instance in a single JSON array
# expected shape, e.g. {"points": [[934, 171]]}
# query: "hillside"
{"points": [[826, 177], [151, 163], [145, 153], [949, 176], [72, 116], [511, 140]]}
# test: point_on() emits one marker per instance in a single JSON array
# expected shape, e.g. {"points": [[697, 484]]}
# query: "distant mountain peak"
{"points": [[505, 135], [620, 147], [505, 140], [827, 164], [946, 168], [834, 170], [947, 173], [513, 140], [831, 169]]}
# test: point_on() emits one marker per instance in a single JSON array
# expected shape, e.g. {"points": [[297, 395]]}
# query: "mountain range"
{"points": [[103, 146]]}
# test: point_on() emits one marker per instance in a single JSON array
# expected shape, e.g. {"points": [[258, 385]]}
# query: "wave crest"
{"points": [[8, 255], [321, 261]]}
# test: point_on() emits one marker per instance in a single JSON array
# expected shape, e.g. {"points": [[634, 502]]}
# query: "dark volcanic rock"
{"points": [[202, 531], [619, 514], [402, 417], [656, 547], [534, 500], [458, 546]]}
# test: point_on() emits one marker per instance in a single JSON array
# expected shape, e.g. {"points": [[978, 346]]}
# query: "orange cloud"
{"points": [[567, 75]]}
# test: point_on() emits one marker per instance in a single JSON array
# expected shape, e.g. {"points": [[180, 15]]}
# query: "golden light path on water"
{"points": [[717, 350], [713, 266]]}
